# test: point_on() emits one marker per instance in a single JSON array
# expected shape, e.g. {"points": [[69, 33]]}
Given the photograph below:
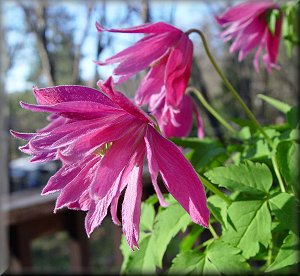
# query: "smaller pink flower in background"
{"points": [[168, 52], [247, 25], [102, 139]]}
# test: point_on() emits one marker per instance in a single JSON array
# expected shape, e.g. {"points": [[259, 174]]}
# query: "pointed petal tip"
{"points": [[99, 27]]}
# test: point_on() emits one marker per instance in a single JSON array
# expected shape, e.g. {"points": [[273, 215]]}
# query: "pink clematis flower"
{"points": [[103, 139], [168, 52], [247, 24]]}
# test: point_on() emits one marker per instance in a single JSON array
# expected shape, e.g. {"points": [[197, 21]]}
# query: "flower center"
{"points": [[103, 149]]}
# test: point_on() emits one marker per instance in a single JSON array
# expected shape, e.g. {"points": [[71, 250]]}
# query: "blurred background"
{"points": [[48, 43]]}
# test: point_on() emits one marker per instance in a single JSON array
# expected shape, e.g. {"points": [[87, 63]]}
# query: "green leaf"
{"points": [[251, 178], [219, 258], [140, 261], [290, 29], [288, 254], [283, 206], [244, 133], [293, 117], [147, 218], [168, 223], [189, 240], [130, 258], [279, 105], [203, 151], [251, 225], [153, 245], [218, 208], [273, 16], [287, 156]]}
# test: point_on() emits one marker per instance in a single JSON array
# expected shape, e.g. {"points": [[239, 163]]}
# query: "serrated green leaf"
{"points": [[130, 256], [251, 178], [279, 105], [251, 225], [140, 261], [147, 218], [219, 258], [218, 208], [191, 262], [287, 156], [167, 224], [258, 149], [287, 255], [203, 151], [189, 240], [283, 206]]}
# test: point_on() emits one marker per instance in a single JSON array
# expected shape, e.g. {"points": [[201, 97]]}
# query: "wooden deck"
{"points": [[30, 215]]}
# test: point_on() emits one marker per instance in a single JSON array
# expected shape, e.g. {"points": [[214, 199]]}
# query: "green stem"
{"points": [[243, 105], [276, 169], [230, 87], [199, 95], [269, 258], [213, 232], [215, 190], [204, 244]]}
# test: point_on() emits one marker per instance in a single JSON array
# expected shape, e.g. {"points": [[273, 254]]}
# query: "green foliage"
{"points": [[288, 254], [218, 258], [250, 178], [287, 156], [258, 227], [204, 153], [283, 206], [251, 225], [156, 234], [279, 105], [290, 25]]}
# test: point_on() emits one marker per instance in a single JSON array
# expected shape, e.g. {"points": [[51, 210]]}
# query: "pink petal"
{"points": [[79, 184], [123, 101], [273, 41], [67, 93], [158, 28], [200, 126], [74, 110], [83, 203], [179, 177], [114, 162], [178, 70], [245, 11], [137, 57], [131, 209], [23, 136], [183, 118], [152, 83], [98, 208]]}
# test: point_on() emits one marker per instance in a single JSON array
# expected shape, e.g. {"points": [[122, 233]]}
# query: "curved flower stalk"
{"points": [[103, 138], [168, 52], [247, 25]]}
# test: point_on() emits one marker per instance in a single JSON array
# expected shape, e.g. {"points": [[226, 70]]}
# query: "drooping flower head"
{"points": [[102, 139], [247, 25], [167, 52]]}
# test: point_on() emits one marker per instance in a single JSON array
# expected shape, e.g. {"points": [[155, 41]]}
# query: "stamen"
{"points": [[103, 149]]}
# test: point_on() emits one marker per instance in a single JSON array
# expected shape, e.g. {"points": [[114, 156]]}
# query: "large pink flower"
{"points": [[102, 139], [168, 52], [247, 24]]}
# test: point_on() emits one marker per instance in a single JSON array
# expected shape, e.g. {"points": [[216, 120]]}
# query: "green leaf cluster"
{"points": [[252, 193]]}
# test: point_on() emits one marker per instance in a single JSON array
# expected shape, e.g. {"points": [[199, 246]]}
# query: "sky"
{"points": [[187, 14]]}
